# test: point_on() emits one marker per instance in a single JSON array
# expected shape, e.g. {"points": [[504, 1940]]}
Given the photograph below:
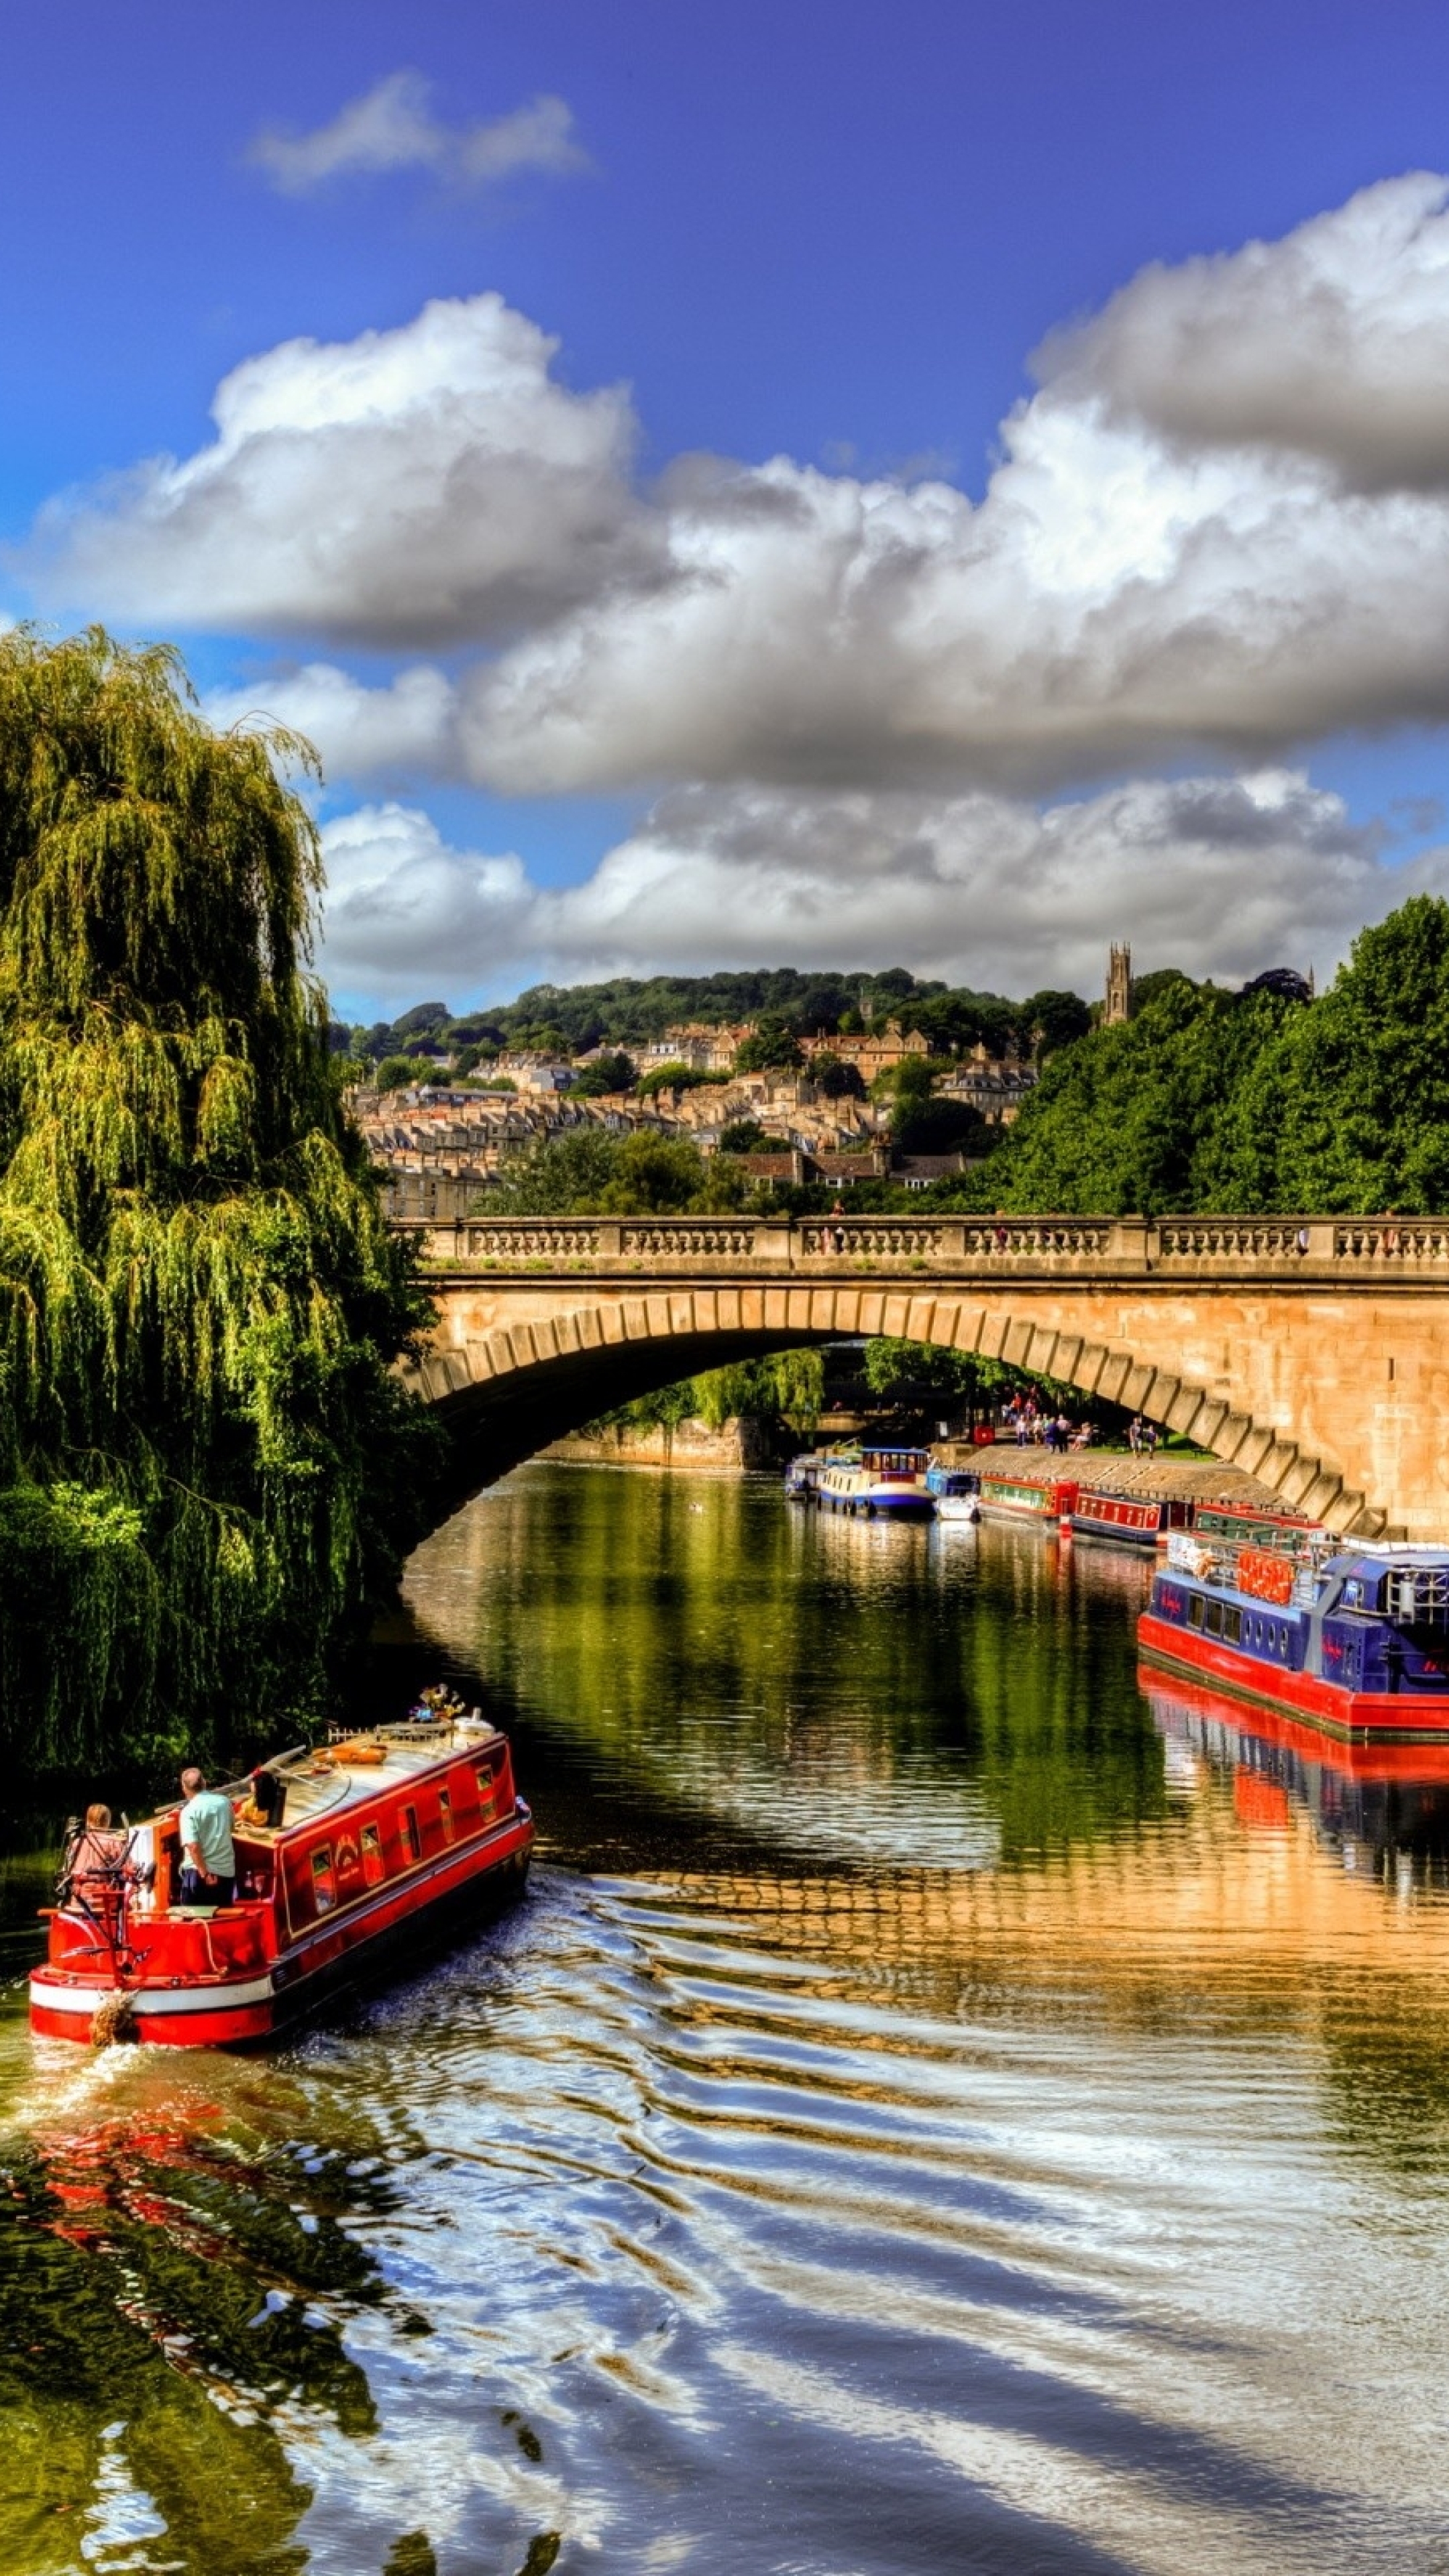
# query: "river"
{"points": [[937, 2109]]}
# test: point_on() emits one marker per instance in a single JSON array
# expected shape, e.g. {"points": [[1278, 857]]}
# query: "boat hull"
{"points": [[1374, 1762], [249, 2009], [1145, 1538], [879, 1502], [1351, 1717]]}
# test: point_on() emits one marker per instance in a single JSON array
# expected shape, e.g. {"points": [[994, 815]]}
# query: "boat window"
{"points": [[324, 1879], [412, 1840], [1213, 1619], [372, 1862], [1194, 1611], [487, 1789], [1232, 1624], [445, 1811]]}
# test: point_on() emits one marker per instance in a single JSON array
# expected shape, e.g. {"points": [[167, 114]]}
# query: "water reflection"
{"points": [[938, 2108]]}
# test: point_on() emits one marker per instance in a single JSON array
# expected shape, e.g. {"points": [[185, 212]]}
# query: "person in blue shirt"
{"points": [[208, 1871]]}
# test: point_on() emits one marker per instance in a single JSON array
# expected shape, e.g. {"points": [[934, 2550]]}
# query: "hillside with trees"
{"points": [[791, 1004], [1207, 1101]]}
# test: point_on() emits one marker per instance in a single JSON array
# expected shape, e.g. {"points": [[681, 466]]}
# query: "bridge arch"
{"points": [[506, 1388]]}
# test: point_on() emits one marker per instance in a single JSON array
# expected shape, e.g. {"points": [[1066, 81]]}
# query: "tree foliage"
{"points": [[204, 1460], [774, 1048], [589, 1171], [613, 1072], [786, 1388], [1255, 1101], [835, 1079]]}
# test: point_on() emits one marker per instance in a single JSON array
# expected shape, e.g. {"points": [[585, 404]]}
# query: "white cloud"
{"points": [[419, 485], [359, 732], [392, 127], [1332, 343], [1224, 875], [1109, 603], [402, 908], [1216, 531]]}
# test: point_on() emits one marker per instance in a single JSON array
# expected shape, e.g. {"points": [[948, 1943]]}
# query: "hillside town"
{"points": [[444, 1138]]}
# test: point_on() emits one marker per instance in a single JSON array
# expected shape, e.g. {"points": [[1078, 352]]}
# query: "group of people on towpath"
{"points": [[1028, 1425]]}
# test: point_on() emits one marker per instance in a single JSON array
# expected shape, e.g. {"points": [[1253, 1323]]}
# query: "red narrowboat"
{"points": [[1133, 1520], [344, 1855]]}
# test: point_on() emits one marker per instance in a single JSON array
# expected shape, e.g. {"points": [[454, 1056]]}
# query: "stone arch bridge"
{"points": [[1313, 1352]]}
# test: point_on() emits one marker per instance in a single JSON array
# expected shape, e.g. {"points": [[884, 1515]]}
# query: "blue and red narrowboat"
{"points": [[1351, 1638], [344, 1855]]}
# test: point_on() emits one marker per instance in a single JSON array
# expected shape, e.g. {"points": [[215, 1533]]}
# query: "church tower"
{"points": [[1119, 986]]}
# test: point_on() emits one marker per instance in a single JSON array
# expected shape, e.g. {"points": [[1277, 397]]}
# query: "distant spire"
{"points": [[1119, 985]]}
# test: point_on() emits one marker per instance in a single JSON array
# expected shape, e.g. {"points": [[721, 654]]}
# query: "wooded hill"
{"points": [[629, 1012]]}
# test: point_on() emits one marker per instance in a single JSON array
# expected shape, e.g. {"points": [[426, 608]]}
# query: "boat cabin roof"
{"points": [[322, 1780]]}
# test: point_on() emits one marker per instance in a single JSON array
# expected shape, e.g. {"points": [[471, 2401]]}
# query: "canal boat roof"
{"points": [[323, 1781]]}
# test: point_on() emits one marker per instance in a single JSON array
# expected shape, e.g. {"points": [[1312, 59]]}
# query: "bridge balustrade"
{"points": [[1113, 1246]]}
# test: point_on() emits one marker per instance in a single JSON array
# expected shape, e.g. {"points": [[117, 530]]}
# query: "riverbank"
{"points": [[734, 1449], [739, 1447], [1172, 1474]]}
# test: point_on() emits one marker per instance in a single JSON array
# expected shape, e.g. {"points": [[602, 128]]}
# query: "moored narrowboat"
{"points": [[877, 1483], [344, 1855], [955, 1491], [1131, 1520], [1020, 1497], [1351, 1637], [1228, 1525]]}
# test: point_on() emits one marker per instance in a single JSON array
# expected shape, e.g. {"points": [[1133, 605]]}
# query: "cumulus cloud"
{"points": [[1218, 529], [403, 908], [1333, 343], [1108, 604], [393, 127], [416, 486], [359, 732], [1227, 875]]}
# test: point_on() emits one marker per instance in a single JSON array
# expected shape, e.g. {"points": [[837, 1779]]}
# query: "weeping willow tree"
{"points": [[205, 1464]]}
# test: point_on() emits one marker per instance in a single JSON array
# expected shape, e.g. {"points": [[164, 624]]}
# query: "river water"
{"points": [[938, 2109]]}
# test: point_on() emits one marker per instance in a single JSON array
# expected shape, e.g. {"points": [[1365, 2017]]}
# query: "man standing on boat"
{"points": [[208, 1875]]}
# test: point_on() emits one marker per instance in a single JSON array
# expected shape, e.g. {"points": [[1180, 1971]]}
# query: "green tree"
{"points": [[396, 1073], [674, 1077], [1142, 1117], [588, 1172], [773, 1048], [743, 1136], [1348, 1108], [834, 1079], [653, 1176], [614, 1072], [1049, 1021], [205, 1463]]}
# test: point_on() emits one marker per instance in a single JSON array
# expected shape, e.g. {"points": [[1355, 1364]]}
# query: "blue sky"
{"points": [[828, 235]]}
